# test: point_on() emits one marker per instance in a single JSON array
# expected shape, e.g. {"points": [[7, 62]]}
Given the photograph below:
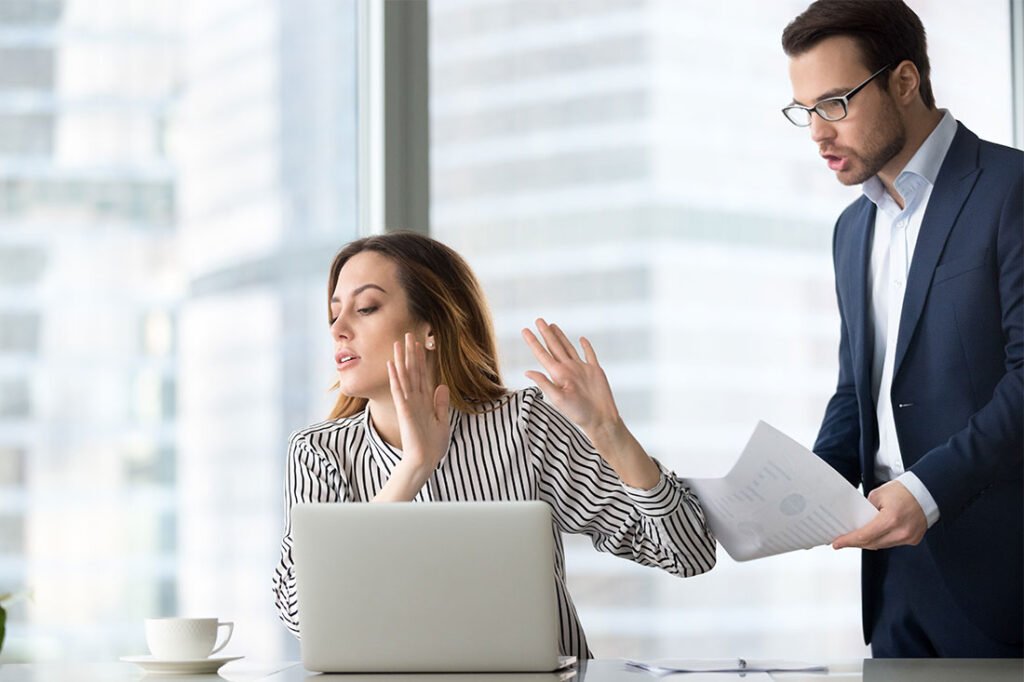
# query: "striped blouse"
{"points": [[523, 450]]}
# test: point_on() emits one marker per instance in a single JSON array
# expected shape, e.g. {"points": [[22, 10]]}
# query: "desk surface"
{"points": [[870, 670]]}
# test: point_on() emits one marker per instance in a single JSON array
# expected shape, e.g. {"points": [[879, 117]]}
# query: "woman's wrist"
{"points": [[634, 467], [406, 480]]}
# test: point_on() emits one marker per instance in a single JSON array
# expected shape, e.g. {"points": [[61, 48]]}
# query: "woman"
{"points": [[422, 415]]}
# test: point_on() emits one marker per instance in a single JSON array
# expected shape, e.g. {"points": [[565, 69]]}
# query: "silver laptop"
{"points": [[426, 587]]}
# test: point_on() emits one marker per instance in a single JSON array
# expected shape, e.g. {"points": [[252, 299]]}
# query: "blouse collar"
{"points": [[388, 456]]}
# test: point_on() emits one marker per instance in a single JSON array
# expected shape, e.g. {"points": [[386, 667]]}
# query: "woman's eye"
{"points": [[367, 310]]}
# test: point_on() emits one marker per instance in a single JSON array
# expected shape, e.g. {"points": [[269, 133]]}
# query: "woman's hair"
{"points": [[442, 291], [886, 31]]}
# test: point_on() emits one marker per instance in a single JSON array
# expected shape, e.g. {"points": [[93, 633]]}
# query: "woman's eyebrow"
{"points": [[359, 290]]}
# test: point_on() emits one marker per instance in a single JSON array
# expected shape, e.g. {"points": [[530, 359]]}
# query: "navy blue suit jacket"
{"points": [[957, 389]]}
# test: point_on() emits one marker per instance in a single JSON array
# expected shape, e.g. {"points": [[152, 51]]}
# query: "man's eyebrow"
{"points": [[834, 92], [359, 290]]}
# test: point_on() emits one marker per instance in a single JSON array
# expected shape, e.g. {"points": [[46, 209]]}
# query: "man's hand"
{"points": [[900, 521]]}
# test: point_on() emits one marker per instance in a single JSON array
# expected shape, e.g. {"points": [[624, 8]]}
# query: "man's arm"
{"points": [[992, 442], [838, 441]]}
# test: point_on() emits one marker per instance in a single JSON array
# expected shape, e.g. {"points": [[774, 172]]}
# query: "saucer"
{"points": [[196, 666]]}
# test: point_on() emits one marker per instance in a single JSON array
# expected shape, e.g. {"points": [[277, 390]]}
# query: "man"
{"points": [[929, 410]]}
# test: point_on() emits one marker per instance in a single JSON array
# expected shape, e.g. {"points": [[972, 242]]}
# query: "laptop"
{"points": [[426, 587]]}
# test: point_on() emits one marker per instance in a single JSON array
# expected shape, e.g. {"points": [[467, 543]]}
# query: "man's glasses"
{"points": [[830, 108]]}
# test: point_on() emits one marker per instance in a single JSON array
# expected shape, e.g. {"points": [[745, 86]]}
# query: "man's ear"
{"points": [[905, 82]]}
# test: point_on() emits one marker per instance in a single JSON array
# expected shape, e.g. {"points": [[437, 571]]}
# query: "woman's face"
{"points": [[370, 311]]}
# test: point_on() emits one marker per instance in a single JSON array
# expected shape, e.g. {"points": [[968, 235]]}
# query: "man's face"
{"points": [[872, 134]]}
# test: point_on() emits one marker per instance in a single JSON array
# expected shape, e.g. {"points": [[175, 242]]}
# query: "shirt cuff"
{"points": [[924, 498], [661, 500]]}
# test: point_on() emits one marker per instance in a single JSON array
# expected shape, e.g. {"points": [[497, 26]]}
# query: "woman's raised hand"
{"points": [[422, 409], [576, 386]]}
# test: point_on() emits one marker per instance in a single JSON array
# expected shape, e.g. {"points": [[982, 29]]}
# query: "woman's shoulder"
{"points": [[515, 404], [316, 436]]}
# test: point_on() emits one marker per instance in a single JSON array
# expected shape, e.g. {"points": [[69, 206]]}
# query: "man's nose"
{"points": [[821, 129]]}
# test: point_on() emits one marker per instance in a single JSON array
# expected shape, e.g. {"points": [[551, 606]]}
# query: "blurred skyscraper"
{"points": [[622, 167], [88, 308], [267, 150]]}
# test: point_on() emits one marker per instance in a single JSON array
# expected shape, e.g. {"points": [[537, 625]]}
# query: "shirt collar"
{"points": [[388, 456], [923, 167]]}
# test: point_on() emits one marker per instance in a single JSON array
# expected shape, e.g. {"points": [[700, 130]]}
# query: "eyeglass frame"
{"points": [[844, 99]]}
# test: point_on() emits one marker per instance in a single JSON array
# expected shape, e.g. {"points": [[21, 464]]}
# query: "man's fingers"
{"points": [[863, 536]]}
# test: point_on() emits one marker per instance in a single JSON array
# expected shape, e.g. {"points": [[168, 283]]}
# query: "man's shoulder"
{"points": [[991, 155], [857, 213]]}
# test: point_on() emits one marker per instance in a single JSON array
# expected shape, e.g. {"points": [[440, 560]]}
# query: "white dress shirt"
{"points": [[892, 251], [521, 448]]}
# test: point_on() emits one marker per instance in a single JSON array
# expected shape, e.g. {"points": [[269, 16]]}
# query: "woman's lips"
{"points": [[345, 360]]}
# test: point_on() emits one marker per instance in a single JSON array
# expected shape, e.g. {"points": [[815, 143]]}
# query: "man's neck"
{"points": [[919, 127]]}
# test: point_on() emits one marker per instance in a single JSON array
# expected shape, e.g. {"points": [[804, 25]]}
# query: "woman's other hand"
{"points": [[577, 386]]}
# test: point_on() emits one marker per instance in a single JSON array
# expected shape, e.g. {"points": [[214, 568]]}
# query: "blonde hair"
{"points": [[442, 291]]}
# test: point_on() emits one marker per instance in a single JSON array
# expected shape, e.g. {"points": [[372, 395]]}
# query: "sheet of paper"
{"points": [[708, 672], [662, 667], [778, 497]]}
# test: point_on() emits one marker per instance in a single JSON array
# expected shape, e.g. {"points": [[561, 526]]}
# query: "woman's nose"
{"points": [[340, 327]]}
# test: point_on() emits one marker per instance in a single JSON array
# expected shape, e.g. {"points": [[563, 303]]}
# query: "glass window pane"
{"points": [[575, 164], [174, 180]]}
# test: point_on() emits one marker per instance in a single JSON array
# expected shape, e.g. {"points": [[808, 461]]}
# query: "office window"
{"points": [[174, 180], [622, 167]]}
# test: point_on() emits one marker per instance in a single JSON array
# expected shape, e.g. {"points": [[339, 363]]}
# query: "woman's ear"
{"points": [[430, 342]]}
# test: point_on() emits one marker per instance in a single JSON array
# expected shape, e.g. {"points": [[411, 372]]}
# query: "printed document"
{"points": [[779, 497]]}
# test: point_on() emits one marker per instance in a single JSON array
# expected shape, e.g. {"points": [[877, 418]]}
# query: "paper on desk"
{"points": [[663, 667], [704, 672], [778, 497]]}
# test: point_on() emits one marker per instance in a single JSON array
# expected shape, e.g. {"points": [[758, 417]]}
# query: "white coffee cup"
{"points": [[185, 639]]}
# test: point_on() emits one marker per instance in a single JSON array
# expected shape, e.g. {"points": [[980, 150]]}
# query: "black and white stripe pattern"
{"points": [[523, 450]]}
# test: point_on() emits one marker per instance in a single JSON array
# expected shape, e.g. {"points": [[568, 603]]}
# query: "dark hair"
{"points": [[886, 31], [443, 291]]}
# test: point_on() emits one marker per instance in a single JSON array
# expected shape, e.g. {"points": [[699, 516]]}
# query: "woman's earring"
{"points": [[430, 344]]}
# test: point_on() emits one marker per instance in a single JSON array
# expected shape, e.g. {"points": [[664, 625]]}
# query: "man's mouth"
{"points": [[836, 163]]}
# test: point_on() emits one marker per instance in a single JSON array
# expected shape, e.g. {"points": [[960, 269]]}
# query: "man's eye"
{"points": [[367, 310]]}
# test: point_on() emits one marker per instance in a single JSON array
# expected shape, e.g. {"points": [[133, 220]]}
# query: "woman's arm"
{"points": [[423, 423], [663, 527], [601, 482], [309, 477], [579, 388]]}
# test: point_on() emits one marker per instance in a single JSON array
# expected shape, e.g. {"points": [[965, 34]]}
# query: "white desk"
{"points": [[902, 670]]}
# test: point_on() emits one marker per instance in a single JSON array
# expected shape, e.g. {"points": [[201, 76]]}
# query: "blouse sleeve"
{"points": [[663, 527], [309, 477]]}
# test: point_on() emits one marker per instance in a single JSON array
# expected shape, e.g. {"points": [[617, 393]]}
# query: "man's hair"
{"points": [[886, 31]]}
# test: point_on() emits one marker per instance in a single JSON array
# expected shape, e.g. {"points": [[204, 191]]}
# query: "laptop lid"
{"points": [[425, 587]]}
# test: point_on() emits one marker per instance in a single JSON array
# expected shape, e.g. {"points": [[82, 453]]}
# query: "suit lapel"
{"points": [[952, 187]]}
